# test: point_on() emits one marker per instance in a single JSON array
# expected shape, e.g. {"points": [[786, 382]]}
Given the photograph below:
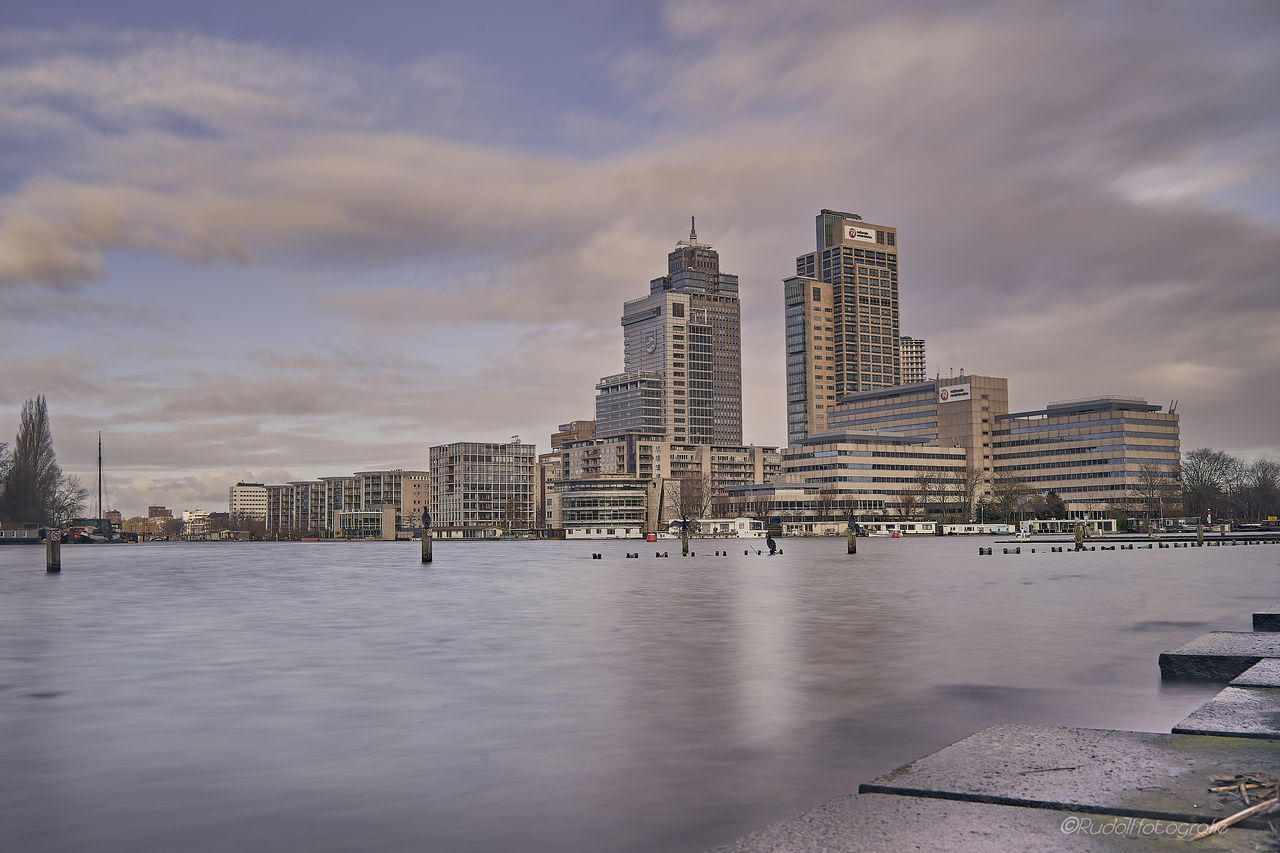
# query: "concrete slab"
{"points": [[877, 823], [1237, 712], [1264, 673], [1131, 774], [1219, 656], [1268, 618]]}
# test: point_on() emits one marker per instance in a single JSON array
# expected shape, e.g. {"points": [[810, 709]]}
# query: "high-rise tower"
{"points": [[842, 322], [682, 355]]}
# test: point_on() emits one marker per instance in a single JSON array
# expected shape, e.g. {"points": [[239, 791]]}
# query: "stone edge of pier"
{"points": [[1013, 787]]}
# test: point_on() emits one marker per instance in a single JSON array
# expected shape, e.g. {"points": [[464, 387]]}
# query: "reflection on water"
{"points": [[521, 696]]}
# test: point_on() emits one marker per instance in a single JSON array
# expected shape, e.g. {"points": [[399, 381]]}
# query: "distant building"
{"points": [[959, 411], [248, 501], [572, 431], [195, 524], [405, 491], [682, 355], [1091, 451], [649, 459], [159, 512], [841, 316], [482, 485], [912, 350]]}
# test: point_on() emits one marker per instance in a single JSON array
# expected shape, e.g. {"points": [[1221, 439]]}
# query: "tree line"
{"points": [[32, 485]]}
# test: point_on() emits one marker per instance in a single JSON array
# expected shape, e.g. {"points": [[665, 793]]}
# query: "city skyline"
{"points": [[257, 244]]}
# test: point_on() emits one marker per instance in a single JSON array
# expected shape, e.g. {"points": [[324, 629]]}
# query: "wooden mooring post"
{"points": [[426, 536], [53, 551]]}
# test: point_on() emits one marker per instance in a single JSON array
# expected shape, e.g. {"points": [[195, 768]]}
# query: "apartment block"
{"points": [[478, 484]]}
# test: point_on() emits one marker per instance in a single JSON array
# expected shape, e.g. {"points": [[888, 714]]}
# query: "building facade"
{"points": [[913, 360], [959, 411], [842, 321], [248, 501], [482, 485], [1097, 454], [681, 347]]}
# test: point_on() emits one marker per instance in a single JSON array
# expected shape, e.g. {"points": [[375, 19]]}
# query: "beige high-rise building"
{"points": [[913, 369], [682, 355], [842, 322]]}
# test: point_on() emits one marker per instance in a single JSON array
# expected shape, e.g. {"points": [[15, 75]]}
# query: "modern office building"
{"points": [[681, 347], [248, 501], [826, 477], [842, 322], [482, 485], [616, 506], [912, 350], [959, 411], [1091, 452]]}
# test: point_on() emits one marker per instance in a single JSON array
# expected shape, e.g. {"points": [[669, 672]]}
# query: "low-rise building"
{"points": [[1098, 454]]}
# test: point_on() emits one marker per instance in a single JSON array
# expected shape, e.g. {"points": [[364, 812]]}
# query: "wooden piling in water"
{"points": [[53, 551], [426, 546]]}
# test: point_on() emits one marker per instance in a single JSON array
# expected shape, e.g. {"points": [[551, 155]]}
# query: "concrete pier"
{"points": [[1218, 656], [1042, 788]]}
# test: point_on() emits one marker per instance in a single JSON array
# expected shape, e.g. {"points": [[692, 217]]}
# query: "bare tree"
{"points": [[1153, 487], [1008, 491], [68, 501], [963, 484], [932, 490], [690, 496], [1205, 475], [909, 498]]}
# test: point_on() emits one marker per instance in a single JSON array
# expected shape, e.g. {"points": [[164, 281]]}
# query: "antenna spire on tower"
{"points": [[693, 229]]}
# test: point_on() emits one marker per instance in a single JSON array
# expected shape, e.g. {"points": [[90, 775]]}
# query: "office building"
{"points": [[912, 352], [959, 411], [248, 501], [1091, 452], [482, 485], [681, 349], [842, 323]]}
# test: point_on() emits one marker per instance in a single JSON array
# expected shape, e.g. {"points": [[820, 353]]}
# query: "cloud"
{"points": [[1079, 206]]}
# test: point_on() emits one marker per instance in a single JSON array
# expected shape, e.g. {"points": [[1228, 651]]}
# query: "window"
{"points": [[880, 237], [677, 309], [889, 238], [817, 294]]}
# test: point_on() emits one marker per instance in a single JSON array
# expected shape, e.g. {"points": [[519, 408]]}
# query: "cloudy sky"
{"points": [[284, 240]]}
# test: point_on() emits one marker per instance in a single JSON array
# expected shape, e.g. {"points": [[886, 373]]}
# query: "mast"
{"points": [[99, 473]]}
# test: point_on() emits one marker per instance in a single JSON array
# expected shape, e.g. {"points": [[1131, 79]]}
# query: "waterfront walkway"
{"points": [[1029, 788]]}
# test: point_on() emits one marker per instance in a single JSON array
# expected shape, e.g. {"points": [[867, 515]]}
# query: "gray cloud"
{"points": [[1083, 208]]}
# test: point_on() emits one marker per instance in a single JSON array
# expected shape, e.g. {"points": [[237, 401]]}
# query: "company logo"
{"points": [[944, 394]]}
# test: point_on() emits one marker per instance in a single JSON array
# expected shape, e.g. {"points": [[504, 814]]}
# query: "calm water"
{"points": [[522, 696]]}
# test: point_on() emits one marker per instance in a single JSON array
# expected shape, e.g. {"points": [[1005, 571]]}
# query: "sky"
{"points": [[286, 240]]}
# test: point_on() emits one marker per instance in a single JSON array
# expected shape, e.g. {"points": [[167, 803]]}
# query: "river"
{"points": [[522, 696]]}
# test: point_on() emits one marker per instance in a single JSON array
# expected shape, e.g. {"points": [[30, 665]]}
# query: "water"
{"points": [[522, 696]]}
